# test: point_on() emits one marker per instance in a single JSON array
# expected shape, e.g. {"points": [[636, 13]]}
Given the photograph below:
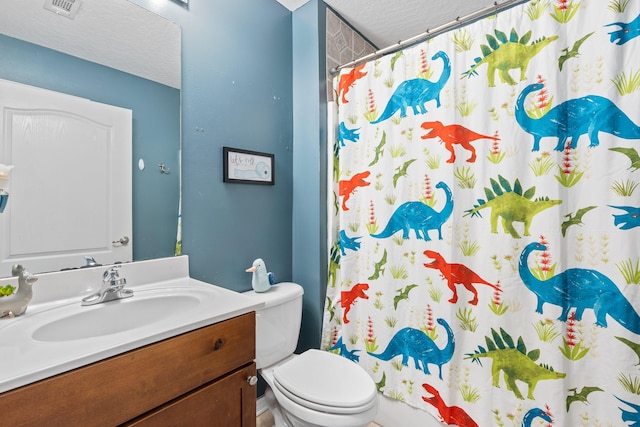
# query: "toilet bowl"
{"points": [[315, 388]]}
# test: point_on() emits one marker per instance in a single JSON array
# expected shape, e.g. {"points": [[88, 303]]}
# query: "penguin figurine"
{"points": [[261, 280]]}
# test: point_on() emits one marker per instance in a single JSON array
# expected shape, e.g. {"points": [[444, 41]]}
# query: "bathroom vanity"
{"points": [[194, 366]]}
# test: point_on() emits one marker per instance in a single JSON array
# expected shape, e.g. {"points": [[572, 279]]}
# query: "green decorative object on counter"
{"points": [[7, 290], [16, 304]]}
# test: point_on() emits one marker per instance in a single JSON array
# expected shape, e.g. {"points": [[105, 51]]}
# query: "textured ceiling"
{"points": [[132, 39], [115, 33], [386, 22]]}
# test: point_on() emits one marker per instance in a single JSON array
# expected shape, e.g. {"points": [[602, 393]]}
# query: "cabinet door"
{"points": [[227, 402]]}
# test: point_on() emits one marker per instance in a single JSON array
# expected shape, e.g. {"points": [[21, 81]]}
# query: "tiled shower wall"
{"points": [[344, 45]]}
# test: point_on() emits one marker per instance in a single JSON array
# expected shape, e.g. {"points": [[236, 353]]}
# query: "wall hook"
{"points": [[164, 169]]}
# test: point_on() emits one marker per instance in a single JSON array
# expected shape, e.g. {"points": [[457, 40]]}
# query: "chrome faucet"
{"points": [[112, 288]]}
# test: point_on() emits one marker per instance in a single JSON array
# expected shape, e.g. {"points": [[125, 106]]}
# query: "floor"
{"points": [[266, 420]]}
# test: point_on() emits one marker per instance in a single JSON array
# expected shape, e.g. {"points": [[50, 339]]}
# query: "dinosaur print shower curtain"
{"points": [[485, 227]]}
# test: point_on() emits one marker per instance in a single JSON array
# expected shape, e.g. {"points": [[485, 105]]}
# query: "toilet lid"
{"points": [[326, 379]]}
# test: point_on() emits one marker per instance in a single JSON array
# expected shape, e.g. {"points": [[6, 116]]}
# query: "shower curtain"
{"points": [[485, 219]]}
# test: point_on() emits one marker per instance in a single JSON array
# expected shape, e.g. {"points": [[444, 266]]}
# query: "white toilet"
{"points": [[315, 388]]}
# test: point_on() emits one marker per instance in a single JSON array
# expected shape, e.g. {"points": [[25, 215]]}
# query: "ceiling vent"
{"points": [[67, 8]]}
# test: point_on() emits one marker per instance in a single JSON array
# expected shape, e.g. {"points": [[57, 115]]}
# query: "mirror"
{"points": [[118, 53]]}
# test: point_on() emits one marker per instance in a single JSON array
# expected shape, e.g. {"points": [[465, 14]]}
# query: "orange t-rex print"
{"points": [[348, 80], [348, 186], [450, 415], [348, 298], [454, 134], [457, 274]]}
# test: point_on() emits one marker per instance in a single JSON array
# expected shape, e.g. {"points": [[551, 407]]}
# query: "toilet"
{"points": [[315, 388]]}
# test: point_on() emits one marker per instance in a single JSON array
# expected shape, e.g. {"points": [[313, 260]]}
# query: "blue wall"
{"points": [[254, 78], [236, 92], [309, 166], [156, 130]]}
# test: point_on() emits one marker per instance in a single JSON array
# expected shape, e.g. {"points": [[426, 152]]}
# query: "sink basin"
{"points": [[114, 317]]}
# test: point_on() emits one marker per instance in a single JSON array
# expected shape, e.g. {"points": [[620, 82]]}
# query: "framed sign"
{"points": [[247, 167]]}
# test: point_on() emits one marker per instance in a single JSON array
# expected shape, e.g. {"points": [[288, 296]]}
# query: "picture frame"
{"points": [[247, 167]]}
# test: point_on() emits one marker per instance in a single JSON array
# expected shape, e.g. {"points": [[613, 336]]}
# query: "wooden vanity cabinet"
{"points": [[199, 378]]}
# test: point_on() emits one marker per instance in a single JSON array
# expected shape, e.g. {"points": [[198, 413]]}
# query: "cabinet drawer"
{"points": [[115, 390]]}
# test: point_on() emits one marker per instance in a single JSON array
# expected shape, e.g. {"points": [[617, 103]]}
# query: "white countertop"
{"points": [[26, 360]]}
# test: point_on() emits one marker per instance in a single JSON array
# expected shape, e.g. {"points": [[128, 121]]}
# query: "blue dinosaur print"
{"points": [[347, 242], [628, 416], [415, 344], [532, 414], [628, 31], [629, 220], [418, 217], [347, 134], [344, 351], [573, 118], [581, 289], [415, 93]]}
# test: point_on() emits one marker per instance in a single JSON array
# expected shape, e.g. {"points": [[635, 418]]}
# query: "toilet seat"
{"points": [[300, 415], [325, 382]]}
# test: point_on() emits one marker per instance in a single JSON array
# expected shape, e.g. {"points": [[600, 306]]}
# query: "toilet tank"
{"points": [[278, 322]]}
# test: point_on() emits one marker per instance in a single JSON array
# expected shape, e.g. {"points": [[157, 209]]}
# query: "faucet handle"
{"points": [[112, 277], [111, 272]]}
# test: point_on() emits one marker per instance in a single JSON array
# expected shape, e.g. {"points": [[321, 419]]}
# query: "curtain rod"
{"points": [[459, 21]]}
